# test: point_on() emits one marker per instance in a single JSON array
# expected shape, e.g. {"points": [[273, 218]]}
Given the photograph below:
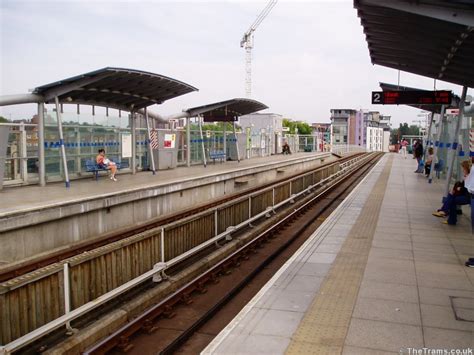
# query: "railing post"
{"points": [[216, 231], [162, 243], [67, 294], [250, 207], [273, 197]]}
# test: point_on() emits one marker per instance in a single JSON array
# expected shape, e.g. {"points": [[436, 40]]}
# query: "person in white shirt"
{"points": [[469, 185], [431, 160]]}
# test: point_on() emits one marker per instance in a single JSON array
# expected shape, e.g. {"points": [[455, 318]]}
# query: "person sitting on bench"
{"points": [[459, 195], [286, 148], [105, 163]]}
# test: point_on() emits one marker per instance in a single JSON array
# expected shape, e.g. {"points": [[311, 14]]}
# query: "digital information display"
{"points": [[413, 97]]}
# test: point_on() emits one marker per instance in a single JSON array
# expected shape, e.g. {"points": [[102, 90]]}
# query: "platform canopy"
{"points": [[120, 88], [433, 38], [430, 108], [227, 111]]}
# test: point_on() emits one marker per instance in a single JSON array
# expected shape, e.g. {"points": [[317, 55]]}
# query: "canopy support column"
{"points": [[61, 142], [236, 142], [41, 159], [455, 143], [150, 148], [428, 137], [224, 135], [435, 153], [202, 142], [134, 142], [188, 142]]}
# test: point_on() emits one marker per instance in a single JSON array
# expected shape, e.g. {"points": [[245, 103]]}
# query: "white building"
{"points": [[262, 122], [266, 131], [375, 137]]}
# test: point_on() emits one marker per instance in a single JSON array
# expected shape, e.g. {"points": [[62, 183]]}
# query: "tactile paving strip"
{"points": [[324, 327]]}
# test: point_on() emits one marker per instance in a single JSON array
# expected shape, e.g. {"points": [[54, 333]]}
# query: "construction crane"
{"points": [[247, 43]]}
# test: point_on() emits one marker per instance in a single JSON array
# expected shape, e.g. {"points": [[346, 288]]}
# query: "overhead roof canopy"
{"points": [[228, 110], [433, 38], [124, 89], [431, 108]]}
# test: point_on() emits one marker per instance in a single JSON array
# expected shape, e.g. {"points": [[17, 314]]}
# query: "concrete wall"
{"points": [[27, 234]]}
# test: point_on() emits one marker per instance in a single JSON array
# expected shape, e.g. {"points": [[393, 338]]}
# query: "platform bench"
{"points": [[93, 167], [217, 154]]}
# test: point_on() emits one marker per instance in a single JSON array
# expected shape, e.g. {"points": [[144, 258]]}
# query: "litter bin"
{"points": [[4, 131], [166, 156]]}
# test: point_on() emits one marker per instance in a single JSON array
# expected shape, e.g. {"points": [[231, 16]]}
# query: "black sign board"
{"points": [[412, 97]]}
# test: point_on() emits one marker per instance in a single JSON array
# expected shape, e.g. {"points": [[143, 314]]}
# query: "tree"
{"points": [[3, 120], [404, 130], [303, 127]]}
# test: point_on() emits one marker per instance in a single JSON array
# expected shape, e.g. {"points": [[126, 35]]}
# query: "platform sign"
{"points": [[126, 145], [170, 141], [412, 97], [452, 111]]}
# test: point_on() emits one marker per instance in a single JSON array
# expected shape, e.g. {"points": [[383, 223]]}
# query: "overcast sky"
{"points": [[309, 56]]}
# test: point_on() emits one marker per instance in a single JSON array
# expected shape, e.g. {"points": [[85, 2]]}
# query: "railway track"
{"points": [[92, 271], [171, 325], [18, 269]]}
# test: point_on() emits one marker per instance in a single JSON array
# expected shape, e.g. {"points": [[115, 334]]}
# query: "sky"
{"points": [[308, 57]]}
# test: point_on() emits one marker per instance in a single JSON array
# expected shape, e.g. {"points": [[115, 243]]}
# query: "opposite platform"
{"points": [[36, 219], [380, 275]]}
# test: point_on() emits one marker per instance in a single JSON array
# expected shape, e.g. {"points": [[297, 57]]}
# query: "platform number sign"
{"points": [[412, 97], [376, 97]]}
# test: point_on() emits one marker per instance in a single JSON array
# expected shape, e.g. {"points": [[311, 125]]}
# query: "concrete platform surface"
{"points": [[25, 198], [381, 275]]}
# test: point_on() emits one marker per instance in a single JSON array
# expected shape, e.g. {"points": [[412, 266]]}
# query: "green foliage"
{"points": [[216, 127], [303, 127], [404, 130], [3, 119]]}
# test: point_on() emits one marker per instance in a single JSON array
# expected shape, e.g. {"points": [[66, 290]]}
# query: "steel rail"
{"points": [[165, 305], [22, 268], [157, 269]]}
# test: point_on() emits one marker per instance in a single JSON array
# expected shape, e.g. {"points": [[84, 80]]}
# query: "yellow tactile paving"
{"points": [[324, 327]]}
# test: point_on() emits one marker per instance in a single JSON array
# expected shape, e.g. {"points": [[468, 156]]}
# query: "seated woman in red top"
{"points": [[105, 163]]}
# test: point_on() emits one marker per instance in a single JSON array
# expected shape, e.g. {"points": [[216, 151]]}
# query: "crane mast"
{"points": [[247, 43]]}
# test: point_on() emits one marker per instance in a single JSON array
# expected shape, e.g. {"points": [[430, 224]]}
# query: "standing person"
{"points": [[418, 153], [105, 163], [431, 160], [404, 144]]}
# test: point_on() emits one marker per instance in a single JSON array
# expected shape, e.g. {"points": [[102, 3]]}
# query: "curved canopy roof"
{"points": [[120, 88], [433, 38], [228, 110]]}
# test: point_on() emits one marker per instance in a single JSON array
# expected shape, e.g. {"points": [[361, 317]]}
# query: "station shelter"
{"points": [[436, 41]]}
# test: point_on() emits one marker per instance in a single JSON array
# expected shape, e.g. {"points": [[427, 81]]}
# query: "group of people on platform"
{"points": [[462, 192], [422, 165]]}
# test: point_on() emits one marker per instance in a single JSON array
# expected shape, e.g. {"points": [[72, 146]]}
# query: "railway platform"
{"points": [[35, 219], [380, 275]]}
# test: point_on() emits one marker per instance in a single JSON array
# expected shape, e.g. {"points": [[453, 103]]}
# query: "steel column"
{"points": [[61, 142], [440, 132], [455, 143], [236, 143], [188, 142], [41, 159], [150, 149], [202, 142], [134, 142]]}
